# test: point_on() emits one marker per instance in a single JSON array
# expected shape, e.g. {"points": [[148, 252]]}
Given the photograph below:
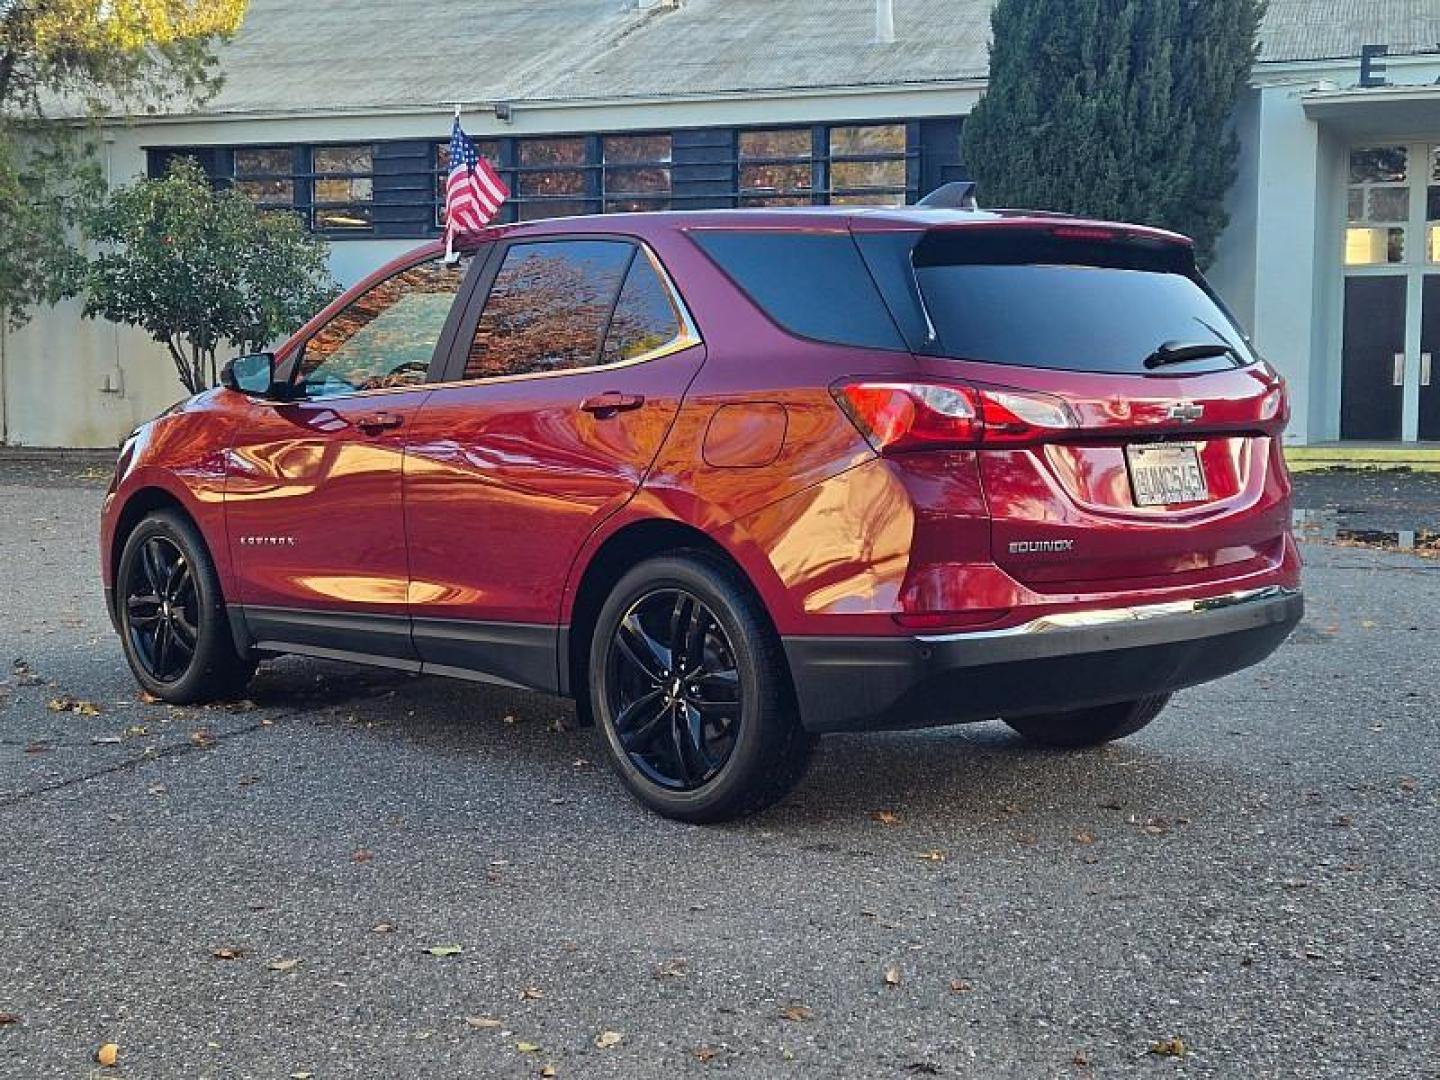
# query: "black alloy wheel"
{"points": [[688, 682], [674, 689], [173, 623], [162, 610]]}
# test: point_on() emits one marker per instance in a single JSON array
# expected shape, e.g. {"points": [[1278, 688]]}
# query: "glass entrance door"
{"points": [[1390, 381]]}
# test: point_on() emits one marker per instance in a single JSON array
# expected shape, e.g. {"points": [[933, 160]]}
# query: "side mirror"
{"points": [[253, 374]]}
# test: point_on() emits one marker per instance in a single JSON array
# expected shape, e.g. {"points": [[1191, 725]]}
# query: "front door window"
{"points": [[384, 338]]}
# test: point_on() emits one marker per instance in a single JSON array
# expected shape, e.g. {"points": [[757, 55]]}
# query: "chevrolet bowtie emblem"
{"points": [[1187, 412]]}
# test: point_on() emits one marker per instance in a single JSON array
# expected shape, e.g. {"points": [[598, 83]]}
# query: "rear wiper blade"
{"points": [[1176, 352]]}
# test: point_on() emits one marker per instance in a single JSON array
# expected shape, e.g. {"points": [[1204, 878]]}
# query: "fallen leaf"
{"points": [[531, 993], [1409, 783], [933, 855], [1368, 624], [362, 856], [1028, 839], [606, 1039], [705, 1054], [887, 817], [797, 1014], [1080, 1059], [1084, 836], [107, 1055], [36, 747], [284, 965], [383, 928], [228, 952], [66, 703], [1173, 1047], [484, 1023], [548, 1071], [202, 738], [527, 1048], [961, 986], [892, 976], [8, 1018], [134, 731], [147, 698], [671, 969], [444, 950]]}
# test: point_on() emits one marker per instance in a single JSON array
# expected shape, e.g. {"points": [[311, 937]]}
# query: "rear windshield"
{"points": [[1073, 317]]}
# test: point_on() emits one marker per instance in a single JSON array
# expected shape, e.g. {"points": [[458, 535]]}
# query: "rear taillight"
{"points": [[901, 416]]}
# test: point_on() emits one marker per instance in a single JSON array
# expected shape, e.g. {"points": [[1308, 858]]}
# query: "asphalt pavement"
{"points": [[1248, 888]]}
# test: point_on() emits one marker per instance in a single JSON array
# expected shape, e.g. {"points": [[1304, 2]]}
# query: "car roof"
{"points": [[811, 219]]}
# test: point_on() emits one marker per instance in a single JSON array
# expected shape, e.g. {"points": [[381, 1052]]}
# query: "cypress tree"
{"points": [[1115, 109]]}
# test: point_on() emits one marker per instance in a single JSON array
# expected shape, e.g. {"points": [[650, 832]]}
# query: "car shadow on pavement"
{"points": [[969, 775]]}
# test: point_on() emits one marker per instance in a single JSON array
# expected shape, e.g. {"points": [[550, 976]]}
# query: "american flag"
{"points": [[474, 191]]}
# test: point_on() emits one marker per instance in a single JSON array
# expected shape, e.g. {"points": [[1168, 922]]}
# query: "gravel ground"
{"points": [[1255, 874]]}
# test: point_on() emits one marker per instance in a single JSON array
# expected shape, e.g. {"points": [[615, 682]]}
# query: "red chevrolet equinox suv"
{"points": [[734, 479]]}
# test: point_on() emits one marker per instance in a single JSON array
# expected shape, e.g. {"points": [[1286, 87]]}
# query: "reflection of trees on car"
{"points": [[546, 312], [386, 337]]}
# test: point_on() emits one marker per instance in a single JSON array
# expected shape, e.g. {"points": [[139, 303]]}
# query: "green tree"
{"points": [[1115, 109], [198, 269], [78, 59]]}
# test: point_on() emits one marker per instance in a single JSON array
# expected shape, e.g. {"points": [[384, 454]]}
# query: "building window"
{"points": [[344, 187], [637, 172], [553, 179], [868, 165], [776, 167], [1378, 205], [266, 174], [1432, 205]]}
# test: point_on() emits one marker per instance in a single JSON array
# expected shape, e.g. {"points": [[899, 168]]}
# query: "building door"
{"points": [[1429, 355], [1389, 387], [1372, 387]]}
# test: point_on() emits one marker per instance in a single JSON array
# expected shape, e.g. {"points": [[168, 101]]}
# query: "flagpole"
{"points": [[451, 255]]}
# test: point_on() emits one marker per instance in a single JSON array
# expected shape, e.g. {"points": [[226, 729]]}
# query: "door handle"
{"points": [[612, 402], [1424, 369], [376, 422], [1399, 375]]}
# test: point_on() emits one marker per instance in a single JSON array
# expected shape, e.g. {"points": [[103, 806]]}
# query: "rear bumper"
{"points": [[1066, 661]]}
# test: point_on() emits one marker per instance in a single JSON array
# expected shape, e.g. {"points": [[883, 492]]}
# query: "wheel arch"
{"points": [[612, 559], [141, 503]]}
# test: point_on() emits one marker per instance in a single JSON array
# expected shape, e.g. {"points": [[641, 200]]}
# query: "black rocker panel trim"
{"points": [[521, 655]]}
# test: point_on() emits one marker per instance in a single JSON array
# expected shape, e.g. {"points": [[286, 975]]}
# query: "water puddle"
{"points": [[1331, 527]]}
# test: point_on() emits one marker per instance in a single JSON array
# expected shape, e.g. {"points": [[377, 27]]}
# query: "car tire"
{"points": [[1090, 727], [748, 748], [173, 624]]}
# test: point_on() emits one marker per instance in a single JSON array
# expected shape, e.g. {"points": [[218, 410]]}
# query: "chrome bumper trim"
{"points": [[1073, 620]]}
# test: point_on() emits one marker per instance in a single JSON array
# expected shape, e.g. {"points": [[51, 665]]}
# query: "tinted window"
{"points": [[1075, 318], [386, 336], [812, 284], [548, 308], [645, 317]]}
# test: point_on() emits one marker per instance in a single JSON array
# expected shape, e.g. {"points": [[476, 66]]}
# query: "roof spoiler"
{"points": [[956, 195]]}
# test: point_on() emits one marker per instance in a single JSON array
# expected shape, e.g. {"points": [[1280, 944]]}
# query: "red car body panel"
{"points": [[485, 502]]}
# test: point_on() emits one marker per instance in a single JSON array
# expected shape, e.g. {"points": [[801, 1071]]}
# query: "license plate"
{"points": [[1166, 474]]}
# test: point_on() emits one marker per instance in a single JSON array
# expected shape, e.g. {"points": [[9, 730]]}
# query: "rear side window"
{"points": [[548, 307], [814, 285]]}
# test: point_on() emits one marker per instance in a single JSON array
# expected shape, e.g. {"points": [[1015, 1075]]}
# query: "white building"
{"points": [[342, 111]]}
